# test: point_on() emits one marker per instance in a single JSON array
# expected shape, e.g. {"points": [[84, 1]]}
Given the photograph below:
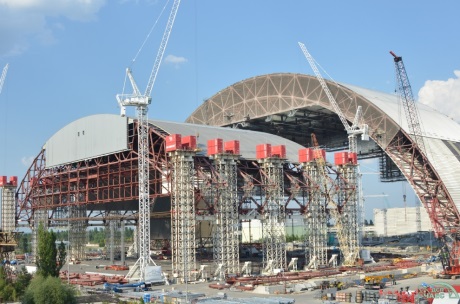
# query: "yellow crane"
{"points": [[350, 256]]}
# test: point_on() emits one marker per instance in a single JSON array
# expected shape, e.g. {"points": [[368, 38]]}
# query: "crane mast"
{"points": [[2, 78], [141, 102]]}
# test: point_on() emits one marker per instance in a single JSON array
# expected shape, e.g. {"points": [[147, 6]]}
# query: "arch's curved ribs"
{"points": [[426, 183]]}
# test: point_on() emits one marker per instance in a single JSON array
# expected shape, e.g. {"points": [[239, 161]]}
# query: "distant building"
{"points": [[398, 221]]}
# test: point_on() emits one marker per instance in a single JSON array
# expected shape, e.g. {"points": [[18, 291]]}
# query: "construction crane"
{"points": [[408, 101], [443, 213], [2, 78], [348, 253], [141, 102], [353, 130]]}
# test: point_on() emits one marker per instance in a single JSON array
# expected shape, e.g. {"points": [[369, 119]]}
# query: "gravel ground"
{"points": [[203, 287]]}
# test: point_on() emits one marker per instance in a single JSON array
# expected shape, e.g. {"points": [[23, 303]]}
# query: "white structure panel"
{"points": [[86, 138], [400, 221]]}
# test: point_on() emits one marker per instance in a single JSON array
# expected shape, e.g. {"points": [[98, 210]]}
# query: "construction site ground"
{"points": [[410, 278]]}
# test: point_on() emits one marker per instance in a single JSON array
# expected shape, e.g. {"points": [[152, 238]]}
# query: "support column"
{"points": [[183, 214], [8, 213], [274, 215], [226, 232], [315, 220], [348, 201], [77, 232]]}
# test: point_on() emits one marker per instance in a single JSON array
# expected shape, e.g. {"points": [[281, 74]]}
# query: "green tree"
{"points": [[62, 254], [24, 242], [49, 290], [23, 279], [48, 261]]}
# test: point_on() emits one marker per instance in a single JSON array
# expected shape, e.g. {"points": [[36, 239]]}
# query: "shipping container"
{"points": [[2, 180], [279, 151], [305, 155], [173, 142], [232, 146], [189, 142]]}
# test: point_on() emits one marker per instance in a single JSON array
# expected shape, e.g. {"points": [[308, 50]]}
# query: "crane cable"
{"points": [[144, 42]]}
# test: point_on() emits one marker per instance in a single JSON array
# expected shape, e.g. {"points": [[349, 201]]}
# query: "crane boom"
{"points": [[355, 128], [410, 108], [136, 98], [325, 87], [161, 50], [2, 78]]}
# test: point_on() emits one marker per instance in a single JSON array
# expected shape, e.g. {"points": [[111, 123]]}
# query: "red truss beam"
{"points": [[429, 187], [104, 179]]}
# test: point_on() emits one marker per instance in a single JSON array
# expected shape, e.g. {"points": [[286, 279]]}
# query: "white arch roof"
{"points": [[434, 123]]}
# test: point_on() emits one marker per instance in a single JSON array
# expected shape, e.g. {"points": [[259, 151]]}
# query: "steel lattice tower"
{"points": [[8, 208], [112, 238], [77, 232], [315, 220], [348, 198], [225, 236], [8, 211], [144, 191], [183, 214], [274, 215]]}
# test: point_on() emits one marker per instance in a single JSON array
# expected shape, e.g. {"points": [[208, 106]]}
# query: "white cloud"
{"points": [[176, 60], [23, 21], [443, 96]]}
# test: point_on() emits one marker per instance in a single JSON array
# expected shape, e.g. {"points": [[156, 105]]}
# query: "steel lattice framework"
{"points": [[77, 232], [8, 202], [349, 208], [315, 219], [274, 215], [183, 214], [225, 236]]}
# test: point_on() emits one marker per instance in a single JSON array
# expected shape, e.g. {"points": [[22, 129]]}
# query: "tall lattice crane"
{"points": [[353, 130], [444, 215], [141, 102], [2, 78]]}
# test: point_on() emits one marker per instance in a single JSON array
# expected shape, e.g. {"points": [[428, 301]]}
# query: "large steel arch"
{"points": [[294, 105]]}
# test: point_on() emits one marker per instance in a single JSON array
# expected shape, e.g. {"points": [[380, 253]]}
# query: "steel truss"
{"points": [[225, 236], [183, 214], [8, 224], [8, 211], [315, 220], [77, 232], [113, 239], [274, 215], [349, 211], [430, 189]]}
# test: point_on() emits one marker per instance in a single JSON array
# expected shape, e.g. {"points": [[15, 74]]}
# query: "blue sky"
{"points": [[67, 59]]}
